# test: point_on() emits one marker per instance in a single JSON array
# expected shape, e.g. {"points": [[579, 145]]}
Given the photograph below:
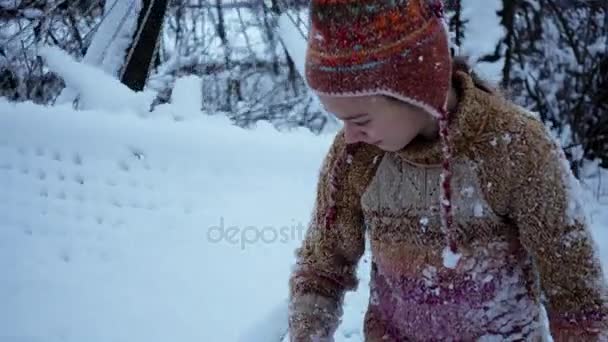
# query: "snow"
{"points": [[114, 35], [450, 259], [478, 210], [187, 95], [424, 222], [31, 13], [97, 89], [467, 191], [576, 210], [271, 327], [10, 4], [119, 224], [110, 42], [349, 159], [293, 41], [482, 34], [107, 217]]}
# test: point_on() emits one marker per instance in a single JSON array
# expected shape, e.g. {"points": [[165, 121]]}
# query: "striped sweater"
{"points": [[523, 237]]}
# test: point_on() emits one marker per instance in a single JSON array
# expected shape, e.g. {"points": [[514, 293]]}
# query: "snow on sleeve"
{"points": [[450, 259], [467, 191], [478, 210], [575, 210]]}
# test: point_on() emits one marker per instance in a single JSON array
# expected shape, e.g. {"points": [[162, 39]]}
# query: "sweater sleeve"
{"points": [[325, 266], [553, 228]]}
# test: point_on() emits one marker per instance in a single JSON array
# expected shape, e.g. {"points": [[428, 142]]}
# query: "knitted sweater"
{"points": [[523, 238]]}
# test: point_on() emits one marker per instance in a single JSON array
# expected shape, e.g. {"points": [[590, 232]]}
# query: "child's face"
{"points": [[378, 120]]}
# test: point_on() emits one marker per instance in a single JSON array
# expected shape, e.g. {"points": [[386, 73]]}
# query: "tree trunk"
{"points": [[456, 22], [509, 8], [140, 56], [232, 84]]}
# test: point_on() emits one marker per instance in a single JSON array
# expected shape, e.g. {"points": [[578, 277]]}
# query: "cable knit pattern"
{"points": [[522, 239], [490, 294]]}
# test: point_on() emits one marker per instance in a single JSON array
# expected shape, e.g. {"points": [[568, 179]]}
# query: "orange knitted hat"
{"points": [[398, 48]]}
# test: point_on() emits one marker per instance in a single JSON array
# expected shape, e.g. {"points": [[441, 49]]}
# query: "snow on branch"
{"points": [[96, 89]]}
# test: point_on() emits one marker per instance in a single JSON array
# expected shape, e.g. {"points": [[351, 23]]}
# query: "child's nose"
{"points": [[353, 134]]}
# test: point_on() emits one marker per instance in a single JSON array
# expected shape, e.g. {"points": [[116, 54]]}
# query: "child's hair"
{"points": [[462, 63]]}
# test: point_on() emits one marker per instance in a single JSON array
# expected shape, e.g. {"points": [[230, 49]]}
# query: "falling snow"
{"points": [[478, 210]]}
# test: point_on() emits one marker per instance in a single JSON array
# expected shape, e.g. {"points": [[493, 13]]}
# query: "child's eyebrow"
{"points": [[356, 116]]}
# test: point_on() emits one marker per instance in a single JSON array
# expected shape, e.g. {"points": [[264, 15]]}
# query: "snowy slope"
{"points": [[107, 223]]}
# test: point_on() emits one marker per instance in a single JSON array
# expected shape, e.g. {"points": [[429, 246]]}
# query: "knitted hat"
{"points": [[398, 48], [392, 47]]}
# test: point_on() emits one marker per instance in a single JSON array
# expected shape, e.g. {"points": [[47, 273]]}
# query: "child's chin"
{"points": [[388, 148]]}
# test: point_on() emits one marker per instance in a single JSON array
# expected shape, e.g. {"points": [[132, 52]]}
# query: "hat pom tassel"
{"points": [[450, 253]]}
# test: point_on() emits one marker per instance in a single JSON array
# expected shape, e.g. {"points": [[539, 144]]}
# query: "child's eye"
{"points": [[362, 123]]}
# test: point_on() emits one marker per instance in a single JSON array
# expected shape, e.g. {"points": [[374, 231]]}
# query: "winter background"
{"points": [[162, 215]]}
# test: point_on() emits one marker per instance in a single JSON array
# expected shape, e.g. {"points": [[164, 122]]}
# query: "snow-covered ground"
{"points": [[111, 225]]}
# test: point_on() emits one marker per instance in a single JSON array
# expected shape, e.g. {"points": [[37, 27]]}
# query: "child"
{"points": [[467, 202]]}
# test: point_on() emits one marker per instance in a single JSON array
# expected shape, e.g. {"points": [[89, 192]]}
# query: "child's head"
{"points": [[381, 66]]}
